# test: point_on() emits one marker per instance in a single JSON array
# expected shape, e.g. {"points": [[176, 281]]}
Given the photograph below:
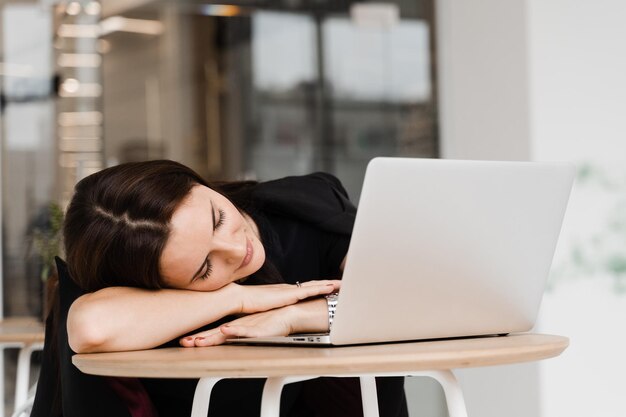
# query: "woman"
{"points": [[166, 258]]}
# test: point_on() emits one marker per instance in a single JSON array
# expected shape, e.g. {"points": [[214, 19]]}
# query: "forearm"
{"points": [[123, 318]]}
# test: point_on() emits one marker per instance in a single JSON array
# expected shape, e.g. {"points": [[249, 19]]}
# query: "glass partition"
{"points": [[252, 90], [28, 149], [246, 90]]}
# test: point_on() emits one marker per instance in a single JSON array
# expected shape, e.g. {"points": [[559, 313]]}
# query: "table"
{"points": [[282, 365], [26, 334]]}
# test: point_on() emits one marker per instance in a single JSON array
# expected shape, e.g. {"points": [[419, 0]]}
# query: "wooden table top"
{"points": [[267, 361], [21, 330]]}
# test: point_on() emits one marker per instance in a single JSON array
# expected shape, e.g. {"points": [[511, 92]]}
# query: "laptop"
{"points": [[446, 248]]}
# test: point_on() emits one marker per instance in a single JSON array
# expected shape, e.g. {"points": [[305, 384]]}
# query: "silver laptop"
{"points": [[445, 248]]}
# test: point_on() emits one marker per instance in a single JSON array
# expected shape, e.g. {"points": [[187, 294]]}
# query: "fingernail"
{"points": [[188, 338], [199, 338]]}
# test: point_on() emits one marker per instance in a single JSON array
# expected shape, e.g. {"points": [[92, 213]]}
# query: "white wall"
{"points": [[578, 93], [578, 62], [483, 79], [578, 109], [544, 80], [484, 114]]}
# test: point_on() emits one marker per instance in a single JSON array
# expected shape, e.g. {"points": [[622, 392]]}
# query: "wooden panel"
{"points": [[247, 361], [21, 330]]}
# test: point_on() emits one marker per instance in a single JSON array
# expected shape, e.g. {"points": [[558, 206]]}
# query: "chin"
{"points": [[254, 267]]}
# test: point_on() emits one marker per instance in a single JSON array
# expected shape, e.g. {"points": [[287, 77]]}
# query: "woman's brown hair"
{"points": [[117, 223]]}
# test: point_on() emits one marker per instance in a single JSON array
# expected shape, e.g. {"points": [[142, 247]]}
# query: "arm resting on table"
{"points": [[124, 318]]}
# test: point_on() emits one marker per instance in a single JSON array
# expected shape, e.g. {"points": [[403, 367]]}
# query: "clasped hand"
{"points": [[271, 310]]}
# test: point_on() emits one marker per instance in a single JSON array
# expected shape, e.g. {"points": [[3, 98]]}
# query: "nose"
{"points": [[232, 251]]}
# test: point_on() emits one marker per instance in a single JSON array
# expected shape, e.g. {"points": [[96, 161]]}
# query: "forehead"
{"points": [[189, 237], [198, 200]]}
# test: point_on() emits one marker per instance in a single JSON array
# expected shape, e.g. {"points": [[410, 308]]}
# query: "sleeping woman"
{"points": [[157, 256]]}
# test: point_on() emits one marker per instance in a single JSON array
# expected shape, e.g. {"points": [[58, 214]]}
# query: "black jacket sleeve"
{"points": [[319, 199]]}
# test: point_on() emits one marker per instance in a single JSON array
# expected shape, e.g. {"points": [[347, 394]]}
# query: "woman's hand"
{"points": [[306, 316], [256, 298]]}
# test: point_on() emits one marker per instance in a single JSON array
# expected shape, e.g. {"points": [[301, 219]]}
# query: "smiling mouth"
{"points": [[249, 252]]}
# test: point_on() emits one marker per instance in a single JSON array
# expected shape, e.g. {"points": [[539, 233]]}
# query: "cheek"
{"points": [[238, 220], [219, 278], [210, 284]]}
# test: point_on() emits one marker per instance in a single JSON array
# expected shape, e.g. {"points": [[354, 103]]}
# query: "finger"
{"points": [[213, 339], [190, 341], [320, 282], [334, 282], [264, 298], [230, 331], [187, 341], [313, 290]]}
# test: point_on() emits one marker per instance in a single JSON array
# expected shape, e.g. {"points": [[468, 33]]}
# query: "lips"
{"points": [[249, 253]]}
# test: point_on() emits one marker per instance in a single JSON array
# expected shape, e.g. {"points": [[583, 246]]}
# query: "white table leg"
{"points": [[369, 396], [451, 389], [23, 372], [272, 390], [2, 380], [25, 408], [202, 396]]}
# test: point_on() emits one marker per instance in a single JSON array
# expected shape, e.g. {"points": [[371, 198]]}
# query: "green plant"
{"points": [[595, 242], [46, 239]]}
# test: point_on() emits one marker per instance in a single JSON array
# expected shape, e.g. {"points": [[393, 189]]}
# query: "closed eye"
{"points": [[220, 220], [218, 224], [209, 269]]}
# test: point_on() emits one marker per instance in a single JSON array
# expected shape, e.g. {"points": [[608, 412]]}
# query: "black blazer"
{"points": [[80, 395]]}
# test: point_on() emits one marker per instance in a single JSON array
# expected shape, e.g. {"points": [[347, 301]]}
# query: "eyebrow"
{"points": [[206, 260]]}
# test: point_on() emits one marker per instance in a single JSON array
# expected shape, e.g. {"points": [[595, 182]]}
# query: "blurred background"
{"points": [[259, 89]]}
